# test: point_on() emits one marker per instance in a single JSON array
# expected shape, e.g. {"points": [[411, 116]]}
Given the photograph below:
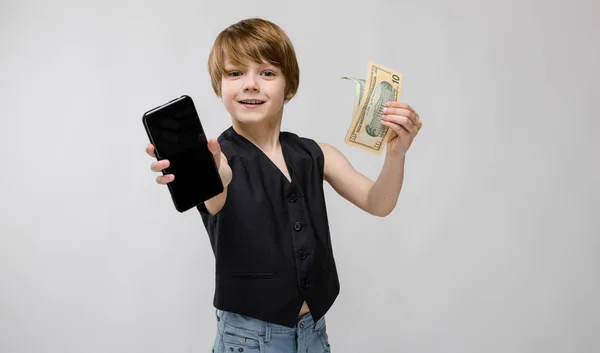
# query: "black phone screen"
{"points": [[177, 135]]}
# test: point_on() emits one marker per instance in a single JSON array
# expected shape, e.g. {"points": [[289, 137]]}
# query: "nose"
{"points": [[251, 83]]}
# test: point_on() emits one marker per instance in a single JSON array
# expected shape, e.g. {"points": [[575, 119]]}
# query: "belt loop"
{"points": [[268, 333], [220, 323]]}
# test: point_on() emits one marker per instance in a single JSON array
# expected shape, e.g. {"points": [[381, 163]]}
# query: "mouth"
{"points": [[251, 102]]}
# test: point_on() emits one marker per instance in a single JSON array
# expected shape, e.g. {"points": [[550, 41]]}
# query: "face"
{"points": [[255, 93]]}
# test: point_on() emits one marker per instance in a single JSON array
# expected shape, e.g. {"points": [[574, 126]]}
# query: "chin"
{"points": [[250, 119]]}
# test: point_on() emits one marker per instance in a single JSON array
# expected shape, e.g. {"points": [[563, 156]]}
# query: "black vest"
{"points": [[271, 239]]}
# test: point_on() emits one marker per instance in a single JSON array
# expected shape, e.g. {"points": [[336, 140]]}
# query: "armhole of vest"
{"points": [[318, 155]]}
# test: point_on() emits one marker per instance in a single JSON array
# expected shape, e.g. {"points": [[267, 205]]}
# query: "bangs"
{"points": [[241, 49]]}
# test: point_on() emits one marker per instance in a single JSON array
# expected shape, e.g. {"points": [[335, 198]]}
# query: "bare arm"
{"points": [[378, 198]]}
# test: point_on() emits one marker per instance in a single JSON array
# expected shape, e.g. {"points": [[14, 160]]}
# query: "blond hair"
{"points": [[254, 39]]}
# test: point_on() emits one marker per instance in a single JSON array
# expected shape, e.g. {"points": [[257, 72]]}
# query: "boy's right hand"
{"points": [[215, 149]]}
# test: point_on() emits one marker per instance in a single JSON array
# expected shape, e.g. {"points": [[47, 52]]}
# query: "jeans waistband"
{"points": [[261, 327]]}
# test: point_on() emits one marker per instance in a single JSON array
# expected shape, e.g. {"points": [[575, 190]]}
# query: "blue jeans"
{"points": [[242, 334]]}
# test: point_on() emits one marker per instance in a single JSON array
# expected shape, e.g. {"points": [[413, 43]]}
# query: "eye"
{"points": [[234, 73], [269, 73]]}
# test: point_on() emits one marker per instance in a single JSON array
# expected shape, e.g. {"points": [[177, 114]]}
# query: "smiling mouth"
{"points": [[252, 102]]}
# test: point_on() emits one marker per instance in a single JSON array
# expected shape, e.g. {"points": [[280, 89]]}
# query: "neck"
{"points": [[264, 135]]}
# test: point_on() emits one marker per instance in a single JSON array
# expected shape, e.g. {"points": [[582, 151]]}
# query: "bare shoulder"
{"points": [[335, 161], [330, 152], [325, 147], [344, 178]]}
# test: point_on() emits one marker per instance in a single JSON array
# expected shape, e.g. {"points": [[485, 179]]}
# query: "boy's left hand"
{"points": [[405, 122]]}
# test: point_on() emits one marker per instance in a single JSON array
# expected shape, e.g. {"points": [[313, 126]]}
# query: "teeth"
{"points": [[252, 102]]}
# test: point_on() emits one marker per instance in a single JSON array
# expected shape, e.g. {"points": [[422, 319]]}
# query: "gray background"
{"points": [[493, 246]]}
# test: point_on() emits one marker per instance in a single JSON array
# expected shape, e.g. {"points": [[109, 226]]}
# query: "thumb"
{"points": [[215, 149]]}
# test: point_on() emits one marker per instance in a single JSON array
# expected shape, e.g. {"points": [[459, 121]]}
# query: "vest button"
{"points": [[297, 226], [302, 254], [304, 284], [293, 198]]}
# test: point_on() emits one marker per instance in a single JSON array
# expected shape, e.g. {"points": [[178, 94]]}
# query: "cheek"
{"points": [[226, 90], [228, 98], [278, 91]]}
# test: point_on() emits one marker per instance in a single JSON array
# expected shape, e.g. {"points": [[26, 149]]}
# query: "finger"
{"points": [[215, 149], [402, 112], [398, 129], [402, 121], [150, 150], [165, 179], [395, 104], [160, 165]]}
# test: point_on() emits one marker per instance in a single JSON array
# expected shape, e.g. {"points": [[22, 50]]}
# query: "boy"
{"points": [[275, 272]]}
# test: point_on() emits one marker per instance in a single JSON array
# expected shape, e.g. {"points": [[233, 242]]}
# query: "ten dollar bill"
{"points": [[366, 131]]}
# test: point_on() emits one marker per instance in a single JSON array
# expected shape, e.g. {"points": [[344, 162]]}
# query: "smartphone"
{"points": [[176, 132]]}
